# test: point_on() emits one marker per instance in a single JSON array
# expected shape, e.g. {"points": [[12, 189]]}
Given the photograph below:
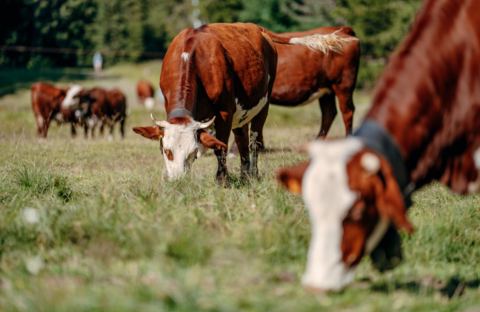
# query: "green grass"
{"points": [[112, 235]]}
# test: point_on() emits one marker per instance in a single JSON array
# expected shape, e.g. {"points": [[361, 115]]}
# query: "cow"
{"points": [[222, 73], [53, 103], [422, 127], [146, 94], [104, 107], [304, 75]]}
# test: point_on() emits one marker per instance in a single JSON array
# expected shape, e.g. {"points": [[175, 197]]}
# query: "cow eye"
{"points": [[169, 154]]}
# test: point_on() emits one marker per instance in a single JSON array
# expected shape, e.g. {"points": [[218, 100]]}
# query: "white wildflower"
{"points": [[31, 215], [34, 265]]}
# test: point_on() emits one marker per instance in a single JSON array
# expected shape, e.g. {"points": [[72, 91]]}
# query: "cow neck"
{"points": [[375, 137], [179, 113]]}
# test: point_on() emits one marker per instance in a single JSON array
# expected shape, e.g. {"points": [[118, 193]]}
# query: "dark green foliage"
{"points": [[134, 30]]}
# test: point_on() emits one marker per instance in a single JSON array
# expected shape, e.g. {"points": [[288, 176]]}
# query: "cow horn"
{"points": [[204, 125], [160, 123]]}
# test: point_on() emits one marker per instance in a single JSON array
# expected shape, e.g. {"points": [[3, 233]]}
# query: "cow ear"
{"points": [[389, 198], [209, 141], [291, 177], [152, 133]]}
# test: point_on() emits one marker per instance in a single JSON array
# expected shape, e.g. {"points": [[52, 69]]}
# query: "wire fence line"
{"points": [[53, 50]]}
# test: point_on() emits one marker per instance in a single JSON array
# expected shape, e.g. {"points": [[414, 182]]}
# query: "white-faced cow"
{"points": [[51, 103], [222, 71], [423, 126]]}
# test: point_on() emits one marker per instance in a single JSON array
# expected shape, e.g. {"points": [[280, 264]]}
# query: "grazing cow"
{"points": [[53, 103], [146, 94], [222, 71], [304, 75], [104, 107], [423, 126], [116, 111]]}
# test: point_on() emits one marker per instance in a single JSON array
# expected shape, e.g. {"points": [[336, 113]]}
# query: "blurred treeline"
{"points": [[65, 32]]}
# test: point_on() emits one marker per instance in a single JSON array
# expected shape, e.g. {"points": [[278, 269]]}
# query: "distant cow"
{"points": [[423, 126], [105, 108], [53, 103], [304, 75], [146, 93], [222, 71]]}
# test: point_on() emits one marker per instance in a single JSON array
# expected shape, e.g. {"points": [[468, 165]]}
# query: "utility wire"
{"points": [[51, 50]]}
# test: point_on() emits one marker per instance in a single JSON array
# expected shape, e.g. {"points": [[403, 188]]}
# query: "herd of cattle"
{"points": [[424, 123], [87, 108]]}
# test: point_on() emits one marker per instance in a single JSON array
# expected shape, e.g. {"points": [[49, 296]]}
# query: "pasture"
{"points": [[92, 225]]}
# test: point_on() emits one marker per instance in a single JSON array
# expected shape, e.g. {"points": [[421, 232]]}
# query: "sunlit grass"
{"points": [[92, 225]]}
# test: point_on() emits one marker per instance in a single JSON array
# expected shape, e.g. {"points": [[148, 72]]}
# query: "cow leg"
{"points": [[73, 130], [85, 129], [46, 125], [122, 127], [222, 132], [241, 140], [345, 103], [111, 126], [102, 127], [256, 139], [328, 108], [40, 122]]}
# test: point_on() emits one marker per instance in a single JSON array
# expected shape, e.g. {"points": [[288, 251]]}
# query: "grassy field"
{"points": [[92, 226]]}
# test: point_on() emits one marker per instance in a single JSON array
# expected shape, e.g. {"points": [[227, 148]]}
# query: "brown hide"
{"points": [[46, 103], [105, 106], [429, 97], [207, 70], [144, 90], [301, 72]]}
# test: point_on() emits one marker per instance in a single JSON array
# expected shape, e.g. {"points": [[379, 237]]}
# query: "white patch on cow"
{"points": [[243, 116], [149, 103], [78, 114], [370, 162], [476, 158], [328, 198], [59, 117], [185, 56], [377, 235], [40, 121], [316, 95], [474, 187], [91, 122], [70, 99]]}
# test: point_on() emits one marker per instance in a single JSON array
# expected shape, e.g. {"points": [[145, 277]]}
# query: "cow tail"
{"points": [[324, 43]]}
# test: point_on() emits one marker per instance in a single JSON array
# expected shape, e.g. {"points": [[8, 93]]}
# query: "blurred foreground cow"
{"points": [[146, 94], [222, 71], [53, 103], [304, 75], [423, 126], [105, 108]]}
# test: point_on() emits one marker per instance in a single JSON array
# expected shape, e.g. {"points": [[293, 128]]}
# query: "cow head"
{"points": [[181, 140], [352, 198]]}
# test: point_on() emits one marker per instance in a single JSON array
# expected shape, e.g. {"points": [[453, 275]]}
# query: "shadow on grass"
{"points": [[13, 79], [453, 287]]}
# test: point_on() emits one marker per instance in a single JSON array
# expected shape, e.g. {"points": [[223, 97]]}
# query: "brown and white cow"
{"points": [[222, 71], [146, 94], [423, 126], [53, 103], [104, 107], [304, 75]]}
